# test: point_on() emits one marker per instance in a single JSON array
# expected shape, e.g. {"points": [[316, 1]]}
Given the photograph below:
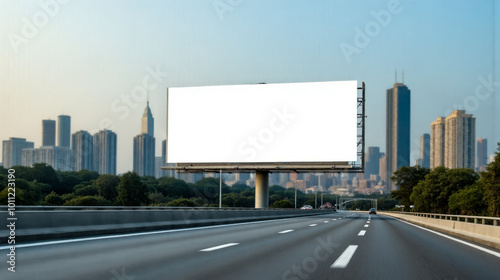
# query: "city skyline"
{"points": [[449, 59]]}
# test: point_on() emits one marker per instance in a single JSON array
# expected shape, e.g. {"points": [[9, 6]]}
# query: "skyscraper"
{"points": [[372, 161], [460, 136], [83, 148], [63, 131], [48, 133], [169, 173], [147, 124], [437, 142], [144, 155], [482, 153], [144, 146], [12, 151], [425, 151], [398, 114], [104, 156]]}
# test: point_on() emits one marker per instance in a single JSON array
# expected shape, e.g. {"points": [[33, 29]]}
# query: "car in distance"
{"points": [[306, 207], [373, 211]]}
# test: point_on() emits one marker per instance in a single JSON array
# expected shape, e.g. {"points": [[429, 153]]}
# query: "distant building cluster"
{"points": [[451, 143]]}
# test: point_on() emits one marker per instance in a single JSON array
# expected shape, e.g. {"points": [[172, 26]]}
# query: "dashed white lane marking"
{"points": [[366, 225], [286, 231], [313, 225], [368, 222], [362, 233], [326, 222], [345, 258], [334, 219], [219, 247]]}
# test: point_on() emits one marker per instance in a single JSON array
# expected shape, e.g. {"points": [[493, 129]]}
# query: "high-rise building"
{"points": [[144, 155], [48, 133], [83, 149], [147, 124], [104, 155], [12, 151], [144, 146], [60, 158], [437, 142], [63, 131], [425, 151], [398, 114], [372, 161], [460, 140], [482, 154], [383, 167]]}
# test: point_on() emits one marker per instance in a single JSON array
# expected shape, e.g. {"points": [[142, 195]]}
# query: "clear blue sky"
{"points": [[85, 58]]}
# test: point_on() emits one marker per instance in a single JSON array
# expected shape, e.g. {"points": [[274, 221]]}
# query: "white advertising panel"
{"points": [[263, 123]]}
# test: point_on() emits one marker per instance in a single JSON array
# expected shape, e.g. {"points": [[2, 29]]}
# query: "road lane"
{"points": [[278, 249]]}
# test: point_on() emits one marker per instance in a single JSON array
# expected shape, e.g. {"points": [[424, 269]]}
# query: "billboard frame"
{"points": [[298, 167]]}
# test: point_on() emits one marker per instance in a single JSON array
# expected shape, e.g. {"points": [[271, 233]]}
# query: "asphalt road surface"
{"points": [[344, 245]]}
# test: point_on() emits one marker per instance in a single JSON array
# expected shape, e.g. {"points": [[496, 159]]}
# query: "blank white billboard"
{"points": [[263, 123]]}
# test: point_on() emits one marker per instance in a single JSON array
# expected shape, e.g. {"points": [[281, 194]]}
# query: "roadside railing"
{"points": [[482, 220]]}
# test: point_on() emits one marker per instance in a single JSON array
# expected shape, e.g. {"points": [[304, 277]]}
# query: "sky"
{"points": [[97, 60]]}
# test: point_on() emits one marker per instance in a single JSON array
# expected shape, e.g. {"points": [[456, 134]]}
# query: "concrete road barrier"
{"points": [[43, 223]]}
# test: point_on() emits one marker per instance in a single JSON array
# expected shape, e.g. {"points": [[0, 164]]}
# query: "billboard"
{"points": [[263, 123]]}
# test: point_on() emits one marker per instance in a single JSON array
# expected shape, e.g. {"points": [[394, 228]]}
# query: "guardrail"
{"points": [[484, 230], [494, 221]]}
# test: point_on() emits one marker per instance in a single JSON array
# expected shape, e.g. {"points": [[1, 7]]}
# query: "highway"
{"points": [[345, 245]]}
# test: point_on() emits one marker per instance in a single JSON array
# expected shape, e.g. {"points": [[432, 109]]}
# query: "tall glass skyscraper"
{"points": [[144, 146], [398, 114], [48, 133], [12, 151], [83, 149], [104, 156], [63, 131]]}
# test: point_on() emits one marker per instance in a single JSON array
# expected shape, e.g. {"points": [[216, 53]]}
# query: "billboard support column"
{"points": [[262, 189]]}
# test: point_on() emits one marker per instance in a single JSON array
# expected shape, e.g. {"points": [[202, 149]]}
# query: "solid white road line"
{"points": [[362, 233], [457, 240], [286, 231], [45, 243], [366, 225], [219, 247], [345, 258], [313, 225]]}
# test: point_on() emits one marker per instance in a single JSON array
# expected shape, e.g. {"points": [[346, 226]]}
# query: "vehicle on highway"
{"points": [[373, 211], [306, 207]]}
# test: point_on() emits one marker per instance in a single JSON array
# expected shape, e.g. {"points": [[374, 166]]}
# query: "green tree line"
{"points": [[450, 191], [42, 185]]}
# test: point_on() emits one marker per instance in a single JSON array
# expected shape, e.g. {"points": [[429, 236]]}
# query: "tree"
{"points": [[468, 201], [88, 201], [90, 190], [131, 191], [181, 202], [490, 183], [53, 199], [282, 204], [407, 177], [172, 187], [107, 186], [433, 194]]}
